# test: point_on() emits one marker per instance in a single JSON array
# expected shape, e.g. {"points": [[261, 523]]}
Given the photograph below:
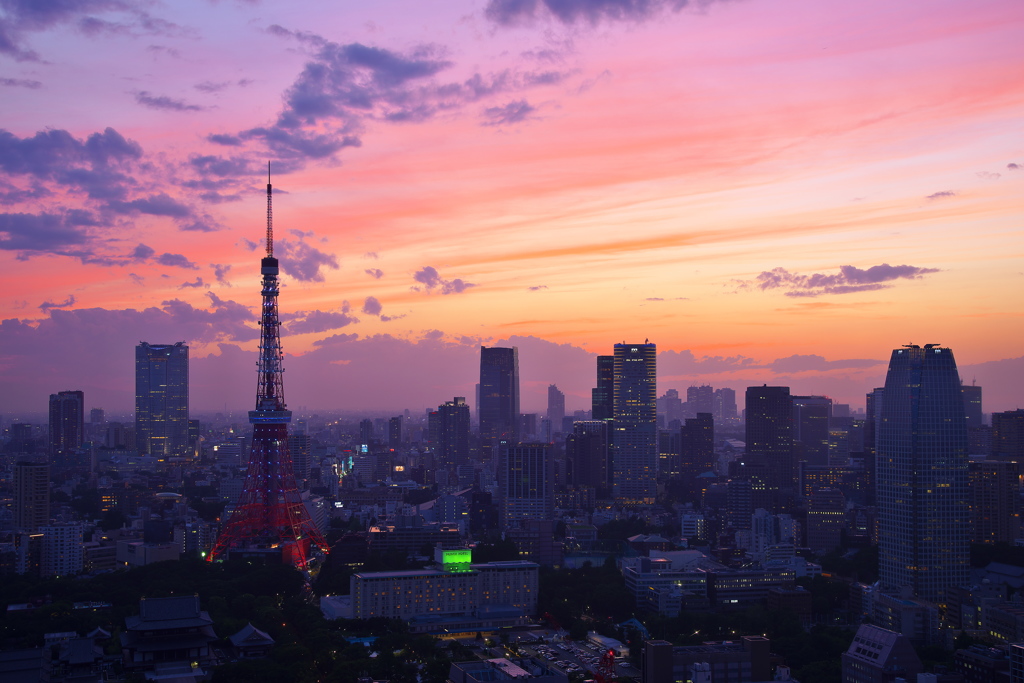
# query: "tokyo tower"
{"points": [[270, 517]]}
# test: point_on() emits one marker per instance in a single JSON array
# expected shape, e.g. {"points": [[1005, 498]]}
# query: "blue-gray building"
{"points": [[923, 509], [161, 399]]}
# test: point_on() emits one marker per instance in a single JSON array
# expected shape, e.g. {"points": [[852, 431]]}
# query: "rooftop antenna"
{"points": [[270, 215]]}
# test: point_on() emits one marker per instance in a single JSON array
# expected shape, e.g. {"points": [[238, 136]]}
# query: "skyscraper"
{"points": [[635, 430], [972, 405], [812, 416], [67, 422], [923, 508], [526, 480], [499, 396], [450, 434], [603, 394], [769, 438], [161, 399], [587, 451], [31, 496], [556, 407]]}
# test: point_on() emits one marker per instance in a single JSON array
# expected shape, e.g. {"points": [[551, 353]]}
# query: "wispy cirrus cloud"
{"points": [[164, 102], [524, 12], [848, 280]]}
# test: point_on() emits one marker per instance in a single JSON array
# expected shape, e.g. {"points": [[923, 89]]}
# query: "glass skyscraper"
{"points": [[635, 426], [161, 399], [922, 464], [499, 396]]}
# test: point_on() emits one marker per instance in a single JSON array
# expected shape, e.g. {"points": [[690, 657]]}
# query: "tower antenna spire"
{"points": [[270, 215]]}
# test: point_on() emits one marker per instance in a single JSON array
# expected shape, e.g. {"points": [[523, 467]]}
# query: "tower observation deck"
{"points": [[270, 517]]}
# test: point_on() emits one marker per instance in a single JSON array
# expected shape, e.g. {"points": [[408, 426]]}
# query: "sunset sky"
{"points": [[773, 192]]}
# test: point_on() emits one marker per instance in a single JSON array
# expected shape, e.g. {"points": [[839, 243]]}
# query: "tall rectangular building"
{"points": [[499, 396], [812, 417], [635, 429], [31, 496], [922, 469], [603, 394], [67, 422], [526, 479], [770, 437], [451, 434], [161, 399], [556, 407], [587, 451]]}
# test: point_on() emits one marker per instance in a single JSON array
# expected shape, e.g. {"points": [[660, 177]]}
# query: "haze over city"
{"points": [[773, 193]]}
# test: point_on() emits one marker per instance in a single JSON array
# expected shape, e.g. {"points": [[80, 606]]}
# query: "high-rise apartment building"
{"points": [[450, 434], [161, 399], [635, 428], [67, 422], [526, 480], [923, 504], [556, 407], [770, 437], [31, 496], [395, 432], [499, 396], [602, 396]]}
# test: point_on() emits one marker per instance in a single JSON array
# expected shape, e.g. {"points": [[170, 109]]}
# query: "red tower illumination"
{"points": [[270, 516]]}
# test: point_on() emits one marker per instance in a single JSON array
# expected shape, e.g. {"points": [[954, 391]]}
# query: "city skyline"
{"points": [[773, 197]]}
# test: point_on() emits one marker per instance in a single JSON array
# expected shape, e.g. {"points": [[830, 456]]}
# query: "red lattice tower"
{"points": [[270, 514]]}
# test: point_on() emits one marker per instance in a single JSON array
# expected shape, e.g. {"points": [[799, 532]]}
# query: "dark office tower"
{"points": [[972, 405], [556, 407], [451, 445], [725, 404], [698, 445], [270, 519], [499, 396], [299, 448], [995, 501], [587, 449], [31, 496], [395, 432], [365, 432], [812, 416], [769, 436], [97, 416], [923, 509], [635, 429], [1008, 434], [67, 423], [603, 395], [161, 399], [526, 481]]}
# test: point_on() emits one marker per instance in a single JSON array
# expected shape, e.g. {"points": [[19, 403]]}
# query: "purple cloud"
{"points": [[304, 322], [431, 279], [375, 273], [941, 195], [849, 279], [519, 12], [20, 83], [303, 261], [372, 306], [513, 112], [67, 303], [164, 102]]}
